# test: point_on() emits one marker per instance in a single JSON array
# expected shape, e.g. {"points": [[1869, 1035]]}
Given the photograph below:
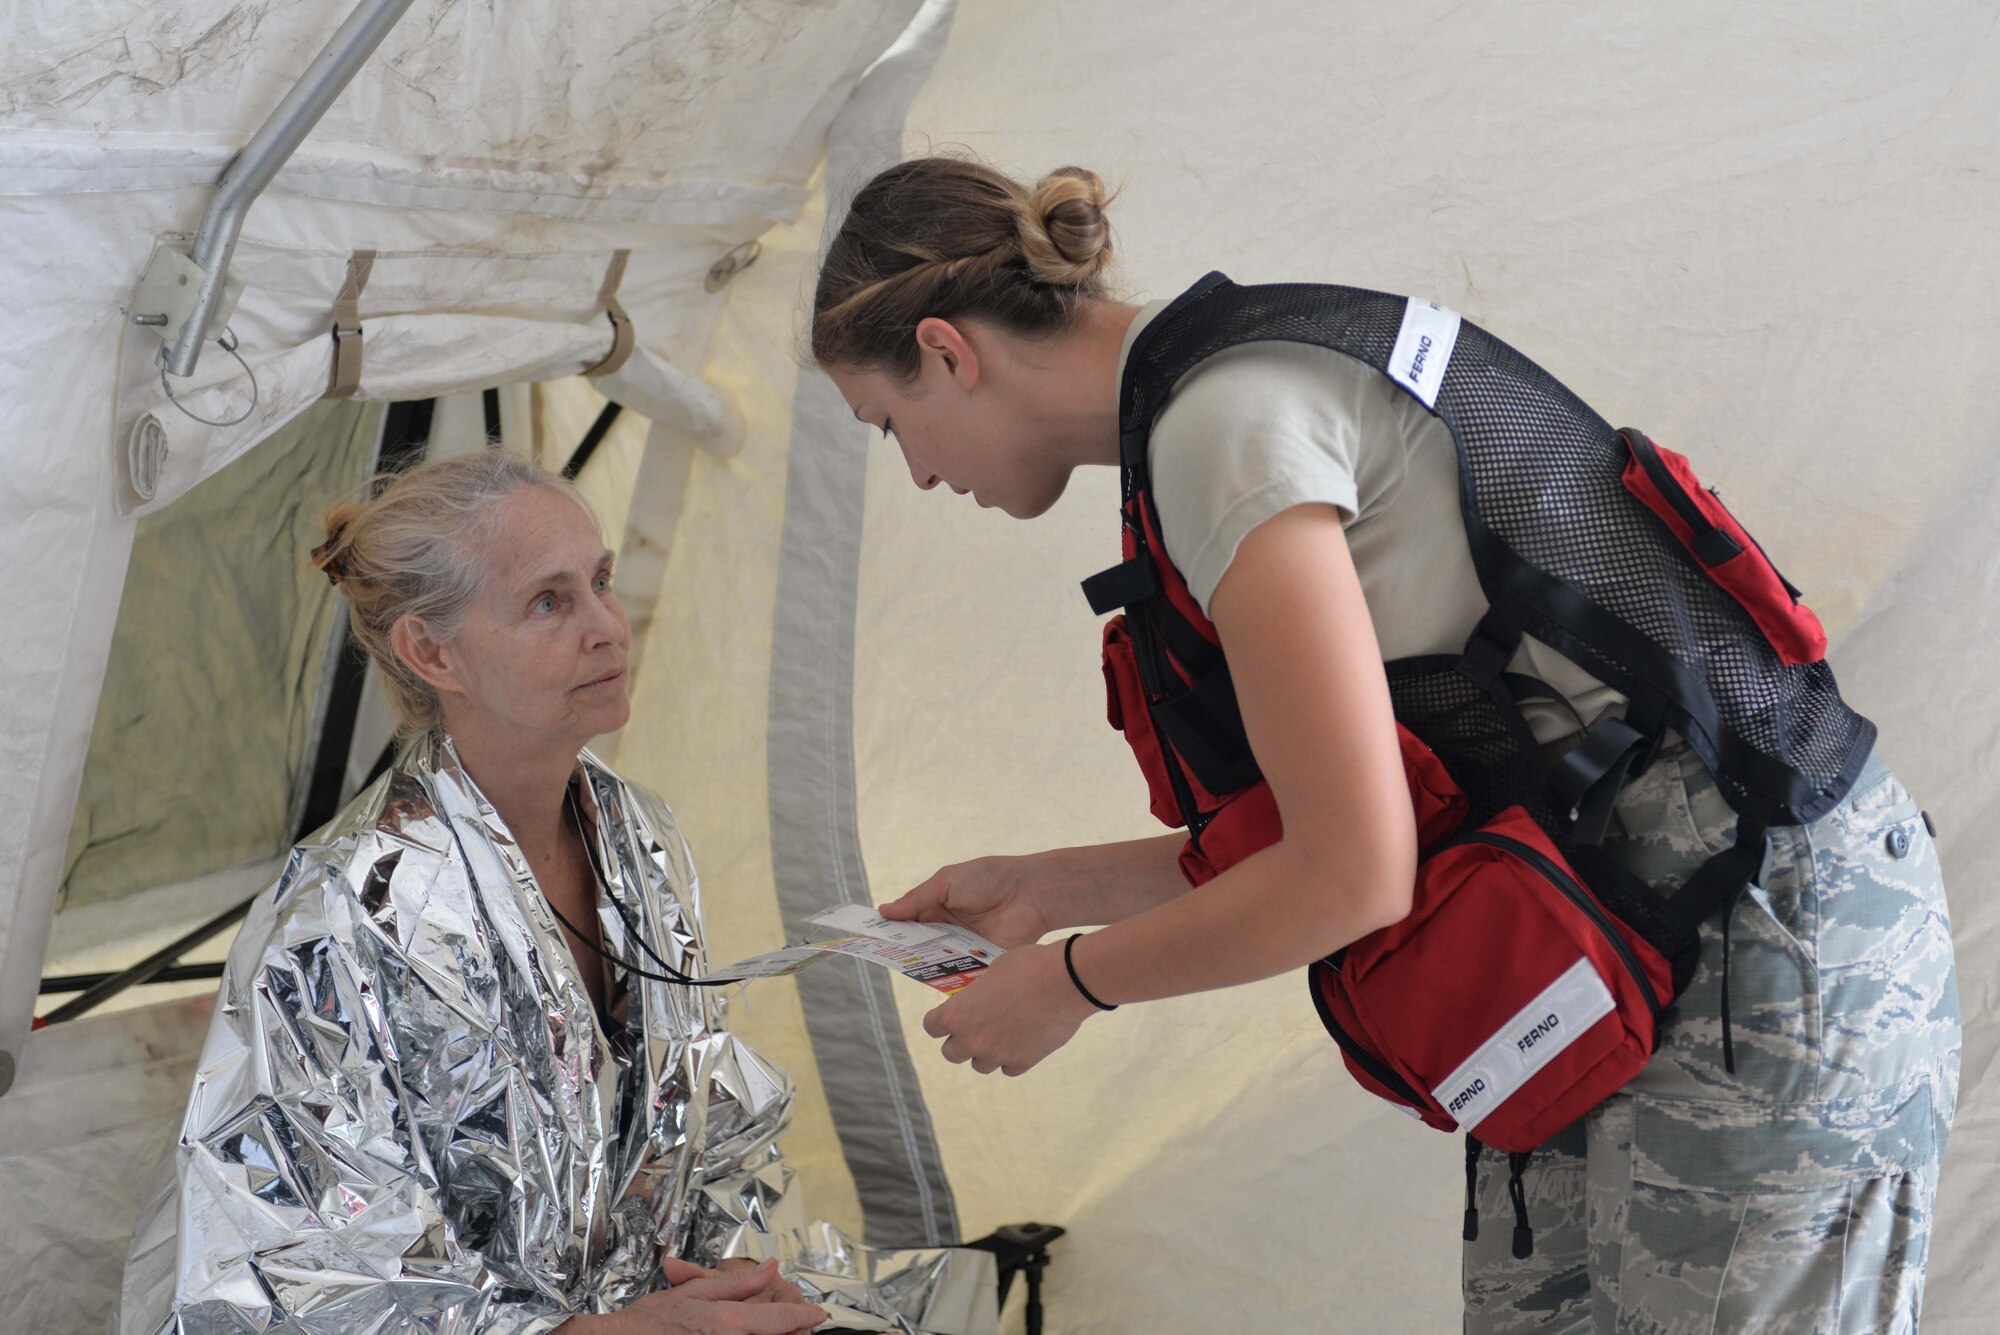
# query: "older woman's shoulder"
{"points": [[392, 830]]}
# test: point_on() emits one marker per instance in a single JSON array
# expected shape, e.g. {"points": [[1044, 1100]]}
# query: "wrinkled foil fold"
{"points": [[407, 1115]]}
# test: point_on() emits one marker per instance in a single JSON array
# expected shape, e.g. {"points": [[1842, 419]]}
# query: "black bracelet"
{"points": [[1071, 966]]}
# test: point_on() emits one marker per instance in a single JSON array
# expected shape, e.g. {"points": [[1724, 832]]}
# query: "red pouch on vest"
{"points": [[1508, 1003], [1125, 707], [1665, 483]]}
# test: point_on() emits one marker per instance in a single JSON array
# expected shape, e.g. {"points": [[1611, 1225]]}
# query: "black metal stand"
{"points": [[1022, 1249]]}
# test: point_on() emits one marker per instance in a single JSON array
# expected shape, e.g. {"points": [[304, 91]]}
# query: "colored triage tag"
{"points": [[938, 955]]}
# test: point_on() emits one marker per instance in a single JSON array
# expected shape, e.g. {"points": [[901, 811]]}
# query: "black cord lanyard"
{"points": [[672, 974]]}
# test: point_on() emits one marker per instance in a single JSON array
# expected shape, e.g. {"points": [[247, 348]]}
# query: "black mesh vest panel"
{"points": [[1558, 543]]}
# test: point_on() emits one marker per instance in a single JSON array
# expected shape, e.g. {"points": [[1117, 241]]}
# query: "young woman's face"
{"points": [[976, 443], [541, 651]]}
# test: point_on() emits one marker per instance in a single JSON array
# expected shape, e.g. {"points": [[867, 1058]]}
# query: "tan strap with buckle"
{"points": [[623, 340], [346, 377]]}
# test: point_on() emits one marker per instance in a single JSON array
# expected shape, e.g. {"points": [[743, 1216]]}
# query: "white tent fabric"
{"points": [[82, 1129], [173, 447], [494, 162], [1757, 232]]}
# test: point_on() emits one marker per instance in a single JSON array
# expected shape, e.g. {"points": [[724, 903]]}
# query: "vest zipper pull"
{"points": [[1471, 1188], [1524, 1237]]}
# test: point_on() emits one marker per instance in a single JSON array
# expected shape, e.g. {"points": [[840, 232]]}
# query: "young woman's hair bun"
{"points": [[1064, 236], [955, 238]]}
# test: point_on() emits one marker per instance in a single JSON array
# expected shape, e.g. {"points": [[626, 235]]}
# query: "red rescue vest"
{"points": [[1517, 1007]]}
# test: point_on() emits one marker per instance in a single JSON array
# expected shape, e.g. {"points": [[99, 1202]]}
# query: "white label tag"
{"points": [[936, 954], [1525, 1044], [1423, 348], [860, 920]]}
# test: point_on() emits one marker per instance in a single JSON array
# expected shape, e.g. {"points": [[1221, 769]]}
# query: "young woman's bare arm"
{"points": [[1315, 701]]}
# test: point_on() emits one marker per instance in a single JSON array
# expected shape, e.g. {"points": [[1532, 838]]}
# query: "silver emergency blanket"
{"points": [[408, 1116]]}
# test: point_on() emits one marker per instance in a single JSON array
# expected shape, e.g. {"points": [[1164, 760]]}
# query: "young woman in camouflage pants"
{"points": [[1313, 511]]}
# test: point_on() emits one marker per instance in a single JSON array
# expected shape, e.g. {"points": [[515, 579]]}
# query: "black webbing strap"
{"points": [[1587, 780], [1196, 655], [1711, 543], [1203, 726], [1720, 877], [1123, 585], [1495, 641]]}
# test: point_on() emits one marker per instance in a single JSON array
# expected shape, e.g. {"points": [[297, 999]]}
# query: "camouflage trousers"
{"points": [[1794, 1195]]}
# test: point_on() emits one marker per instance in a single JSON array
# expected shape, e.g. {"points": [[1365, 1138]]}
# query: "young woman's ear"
{"points": [[944, 342], [423, 653]]}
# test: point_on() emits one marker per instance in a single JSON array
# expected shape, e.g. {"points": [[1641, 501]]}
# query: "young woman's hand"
{"points": [[745, 1300], [1012, 1015], [1012, 901], [993, 896]]}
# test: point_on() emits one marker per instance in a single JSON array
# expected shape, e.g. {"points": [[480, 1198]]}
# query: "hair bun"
{"points": [[1064, 235], [331, 556]]}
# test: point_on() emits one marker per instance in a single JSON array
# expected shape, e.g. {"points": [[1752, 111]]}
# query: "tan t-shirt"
{"points": [[1263, 427]]}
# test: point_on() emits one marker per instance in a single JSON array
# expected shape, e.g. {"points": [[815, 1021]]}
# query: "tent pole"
{"points": [[591, 440], [110, 985], [268, 150], [173, 973]]}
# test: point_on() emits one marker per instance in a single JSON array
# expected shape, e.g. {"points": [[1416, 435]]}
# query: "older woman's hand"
{"points": [[739, 1300], [780, 1289]]}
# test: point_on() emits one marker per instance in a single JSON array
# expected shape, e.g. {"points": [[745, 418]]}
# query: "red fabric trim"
{"points": [[1247, 820], [1748, 577], [1125, 706]]}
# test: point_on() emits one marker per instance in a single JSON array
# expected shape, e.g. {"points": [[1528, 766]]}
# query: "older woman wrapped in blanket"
{"points": [[456, 1078]]}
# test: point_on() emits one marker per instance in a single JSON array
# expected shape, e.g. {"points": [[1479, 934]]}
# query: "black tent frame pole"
{"points": [[591, 440], [173, 973], [406, 430], [147, 970]]}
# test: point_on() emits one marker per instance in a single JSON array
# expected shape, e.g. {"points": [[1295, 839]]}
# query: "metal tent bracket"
{"points": [[245, 178], [165, 297]]}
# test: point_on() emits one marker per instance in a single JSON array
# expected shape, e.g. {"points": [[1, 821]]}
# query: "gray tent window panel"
{"points": [[203, 742]]}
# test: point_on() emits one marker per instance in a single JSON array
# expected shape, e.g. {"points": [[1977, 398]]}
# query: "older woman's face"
{"points": [[541, 651]]}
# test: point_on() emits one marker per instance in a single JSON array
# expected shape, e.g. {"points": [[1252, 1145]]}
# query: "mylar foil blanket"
{"points": [[407, 1115]]}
